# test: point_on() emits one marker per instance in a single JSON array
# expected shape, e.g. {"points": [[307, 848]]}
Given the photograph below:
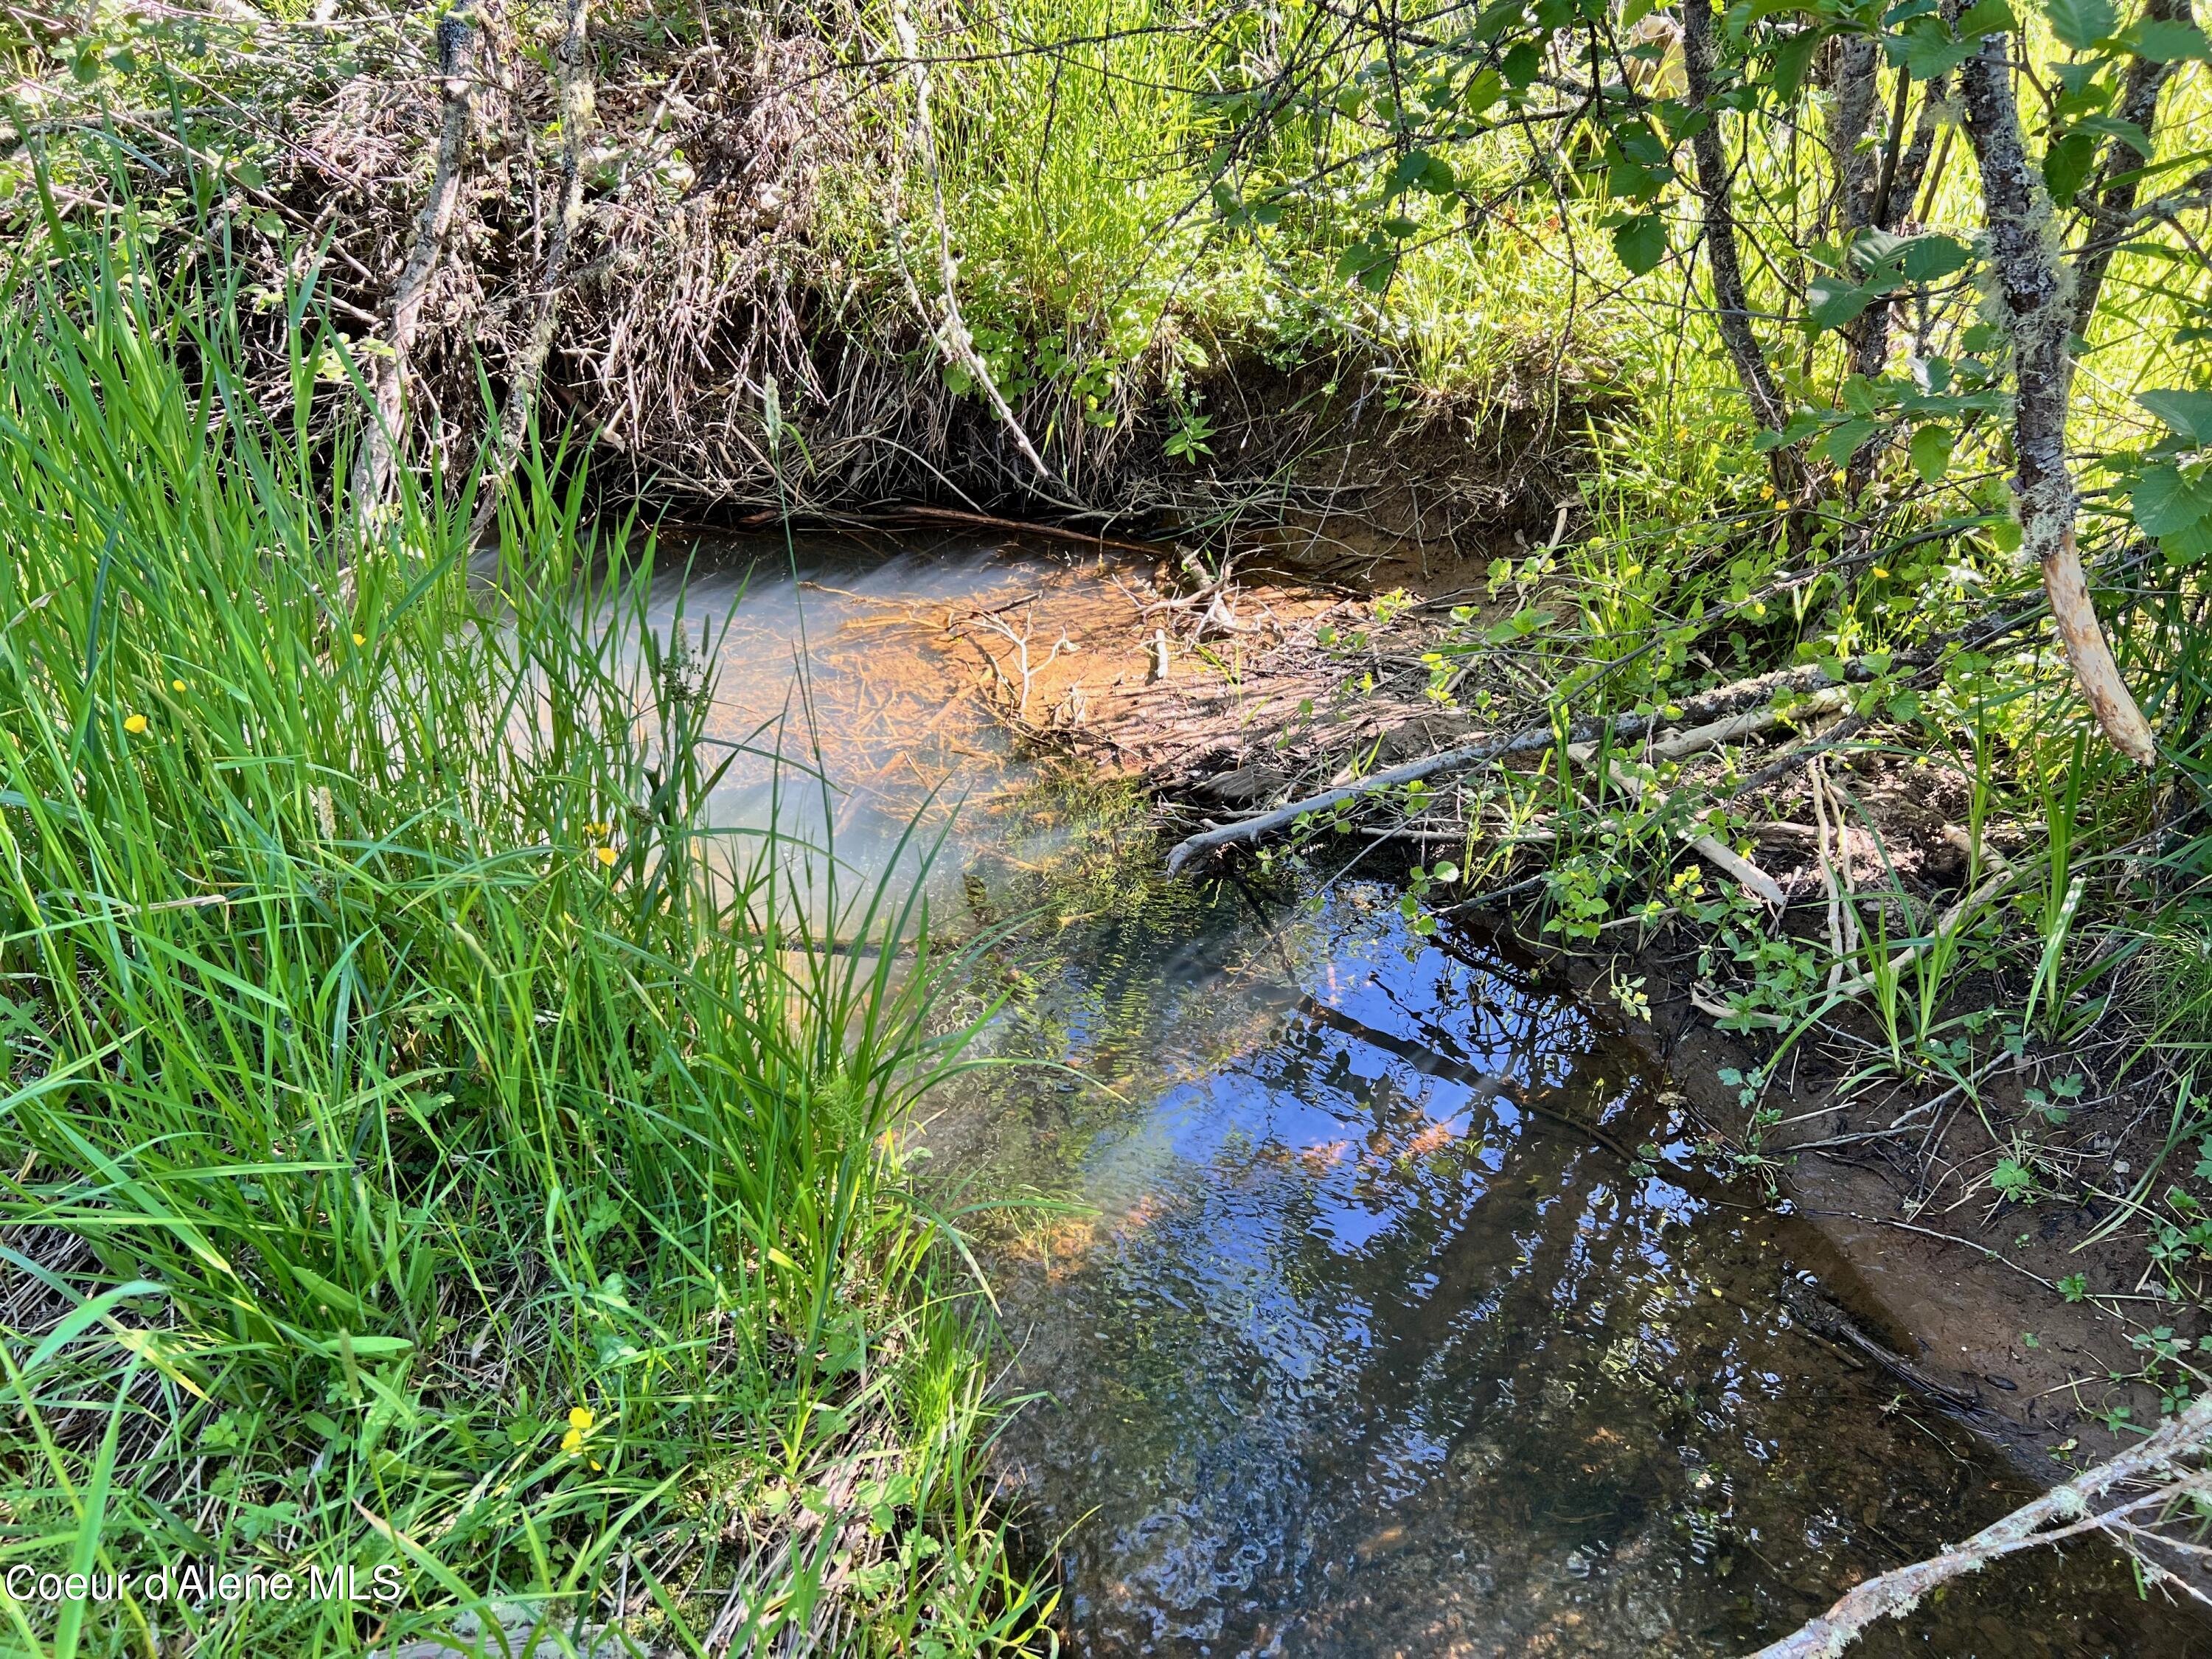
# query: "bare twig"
{"points": [[575, 71], [2063, 1511], [387, 371]]}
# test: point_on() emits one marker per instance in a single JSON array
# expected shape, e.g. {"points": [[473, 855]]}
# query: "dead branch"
{"points": [[2037, 294], [573, 69], [387, 371], [2064, 1511], [1714, 706]]}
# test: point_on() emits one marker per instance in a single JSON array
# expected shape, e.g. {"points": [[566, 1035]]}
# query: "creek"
{"points": [[1369, 1297]]}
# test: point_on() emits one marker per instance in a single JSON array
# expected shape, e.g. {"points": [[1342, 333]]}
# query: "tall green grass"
{"points": [[407, 1159]]}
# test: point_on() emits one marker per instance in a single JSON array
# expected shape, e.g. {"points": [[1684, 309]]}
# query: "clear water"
{"points": [[1345, 1339]]}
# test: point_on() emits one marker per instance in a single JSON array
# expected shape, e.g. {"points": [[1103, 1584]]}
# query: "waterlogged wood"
{"points": [[387, 374], [2038, 293], [2165, 1458]]}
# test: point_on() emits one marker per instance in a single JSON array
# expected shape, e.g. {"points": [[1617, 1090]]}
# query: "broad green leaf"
{"points": [[2066, 165], [1932, 453], [2189, 413], [1641, 242], [1925, 259], [1831, 300], [2190, 546], [2110, 126], [1793, 55], [2166, 501], [1837, 446], [1496, 19], [2081, 23], [2164, 42], [1929, 50], [1986, 17], [1480, 93]]}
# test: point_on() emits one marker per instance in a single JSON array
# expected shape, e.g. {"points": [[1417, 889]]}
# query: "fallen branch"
{"points": [[575, 71], [2064, 1511], [387, 371], [1715, 706]]}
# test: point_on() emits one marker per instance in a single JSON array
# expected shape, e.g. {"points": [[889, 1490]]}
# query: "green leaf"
{"points": [[1986, 17], [2066, 165], [2081, 23], [1831, 300], [1932, 453], [2189, 413], [1793, 55], [1924, 258], [2110, 126], [1641, 242], [1417, 169], [2166, 501], [2164, 42], [1929, 53], [1842, 441], [1480, 93]]}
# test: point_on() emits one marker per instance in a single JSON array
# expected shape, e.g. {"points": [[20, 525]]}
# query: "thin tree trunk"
{"points": [[2139, 95], [2039, 301], [1857, 83], [1732, 303], [1900, 184], [387, 373], [572, 60]]}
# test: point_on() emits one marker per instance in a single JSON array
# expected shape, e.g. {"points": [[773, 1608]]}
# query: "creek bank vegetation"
{"points": [[1770, 446]]}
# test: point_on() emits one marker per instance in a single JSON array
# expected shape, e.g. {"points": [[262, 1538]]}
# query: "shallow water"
{"points": [[1342, 1348], [851, 717], [1352, 1356]]}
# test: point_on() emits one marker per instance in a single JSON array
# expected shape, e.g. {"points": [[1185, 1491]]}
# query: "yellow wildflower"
{"points": [[580, 1418], [605, 855], [1881, 575], [135, 725], [361, 639], [177, 686], [572, 1441]]}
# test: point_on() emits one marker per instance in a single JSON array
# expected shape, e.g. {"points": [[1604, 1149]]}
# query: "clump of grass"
{"points": [[407, 1159]]}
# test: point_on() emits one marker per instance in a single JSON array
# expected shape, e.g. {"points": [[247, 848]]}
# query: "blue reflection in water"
{"points": [[1365, 1348]]}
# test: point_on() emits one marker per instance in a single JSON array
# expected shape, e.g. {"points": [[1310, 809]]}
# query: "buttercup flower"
{"points": [[580, 1418], [176, 686], [135, 725], [605, 855], [361, 639]]}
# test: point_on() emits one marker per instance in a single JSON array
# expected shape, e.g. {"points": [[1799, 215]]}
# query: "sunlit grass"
{"points": [[406, 1159]]}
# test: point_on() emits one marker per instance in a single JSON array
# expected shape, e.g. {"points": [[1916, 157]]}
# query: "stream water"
{"points": [[1366, 1299]]}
